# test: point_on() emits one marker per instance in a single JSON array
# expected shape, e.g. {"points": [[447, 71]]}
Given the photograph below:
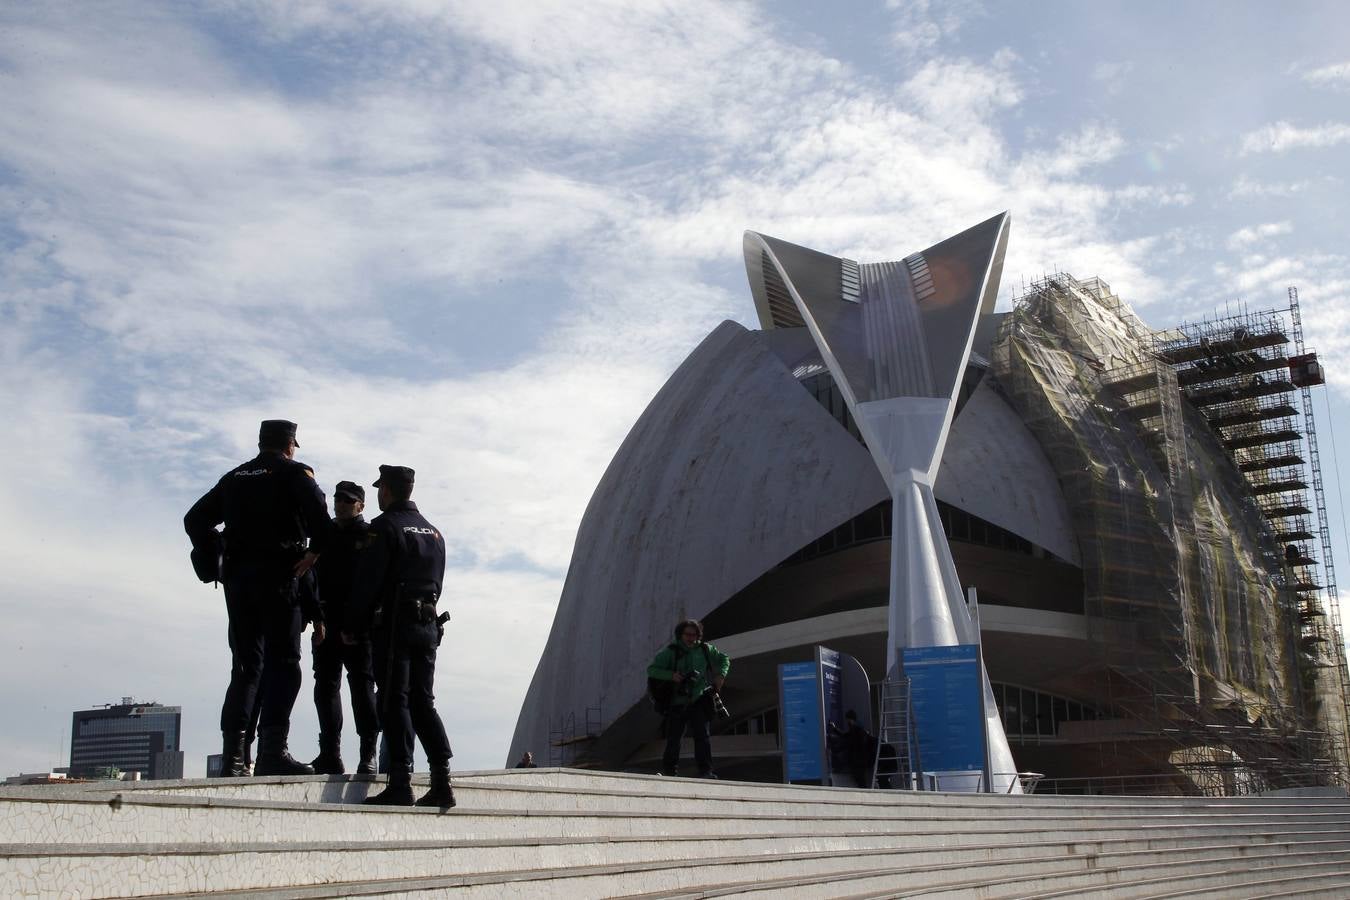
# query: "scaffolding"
{"points": [[1181, 454], [1239, 371]]}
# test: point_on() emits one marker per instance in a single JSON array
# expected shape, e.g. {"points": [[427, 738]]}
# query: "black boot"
{"points": [[369, 744], [440, 794], [232, 764], [329, 760], [273, 757], [398, 792]]}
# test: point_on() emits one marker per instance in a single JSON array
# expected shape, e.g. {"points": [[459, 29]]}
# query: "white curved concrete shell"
{"points": [[993, 467], [732, 468]]}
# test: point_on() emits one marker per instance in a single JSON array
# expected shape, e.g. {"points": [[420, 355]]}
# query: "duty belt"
{"points": [[239, 549], [424, 610]]}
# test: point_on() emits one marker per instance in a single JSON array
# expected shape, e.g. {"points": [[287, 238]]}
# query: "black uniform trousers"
{"points": [[694, 718], [329, 659], [406, 671], [265, 626]]}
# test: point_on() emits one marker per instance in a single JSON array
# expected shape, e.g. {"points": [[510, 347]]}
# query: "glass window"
{"points": [[1061, 713], [1012, 712], [1028, 708], [1028, 713]]}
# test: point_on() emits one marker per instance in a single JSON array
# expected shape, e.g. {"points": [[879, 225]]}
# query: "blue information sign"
{"points": [[799, 690], [946, 694]]}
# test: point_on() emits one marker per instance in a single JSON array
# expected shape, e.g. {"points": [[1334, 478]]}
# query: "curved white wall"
{"points": [[730, 469]]}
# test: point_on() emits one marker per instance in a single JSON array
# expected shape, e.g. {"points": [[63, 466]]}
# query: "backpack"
{"points": [[661, 694]]}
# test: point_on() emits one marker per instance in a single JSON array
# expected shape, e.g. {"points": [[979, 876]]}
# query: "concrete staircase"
{"points": [[564, 833]]}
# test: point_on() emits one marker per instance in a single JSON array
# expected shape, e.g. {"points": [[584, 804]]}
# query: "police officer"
{"points": [[276, 524], [337, 572], [398, 584]]}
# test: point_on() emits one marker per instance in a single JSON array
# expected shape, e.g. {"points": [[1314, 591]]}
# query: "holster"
{"points": [[420, 610], [208, 560]]}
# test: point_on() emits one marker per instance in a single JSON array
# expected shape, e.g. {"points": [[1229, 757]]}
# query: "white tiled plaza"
{"points": [[567, 833]]}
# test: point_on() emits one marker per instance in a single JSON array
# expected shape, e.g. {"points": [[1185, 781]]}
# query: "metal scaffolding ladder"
{"points": [[894, 763], [1331, 598]]}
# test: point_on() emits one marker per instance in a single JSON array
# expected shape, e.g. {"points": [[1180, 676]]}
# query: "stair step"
{"points": [[1293, 887], [173, 819], [545, 832], [1139, 880], [836, 876]]}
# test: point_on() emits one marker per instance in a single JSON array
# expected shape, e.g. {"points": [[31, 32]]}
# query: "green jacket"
{"points": [[693, 663]]}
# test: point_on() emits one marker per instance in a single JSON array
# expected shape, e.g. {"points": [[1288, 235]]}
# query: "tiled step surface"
{"points": [[82, 869], [883, 881], [490, 797], [582, 783], [176, 819], [543, 833]]}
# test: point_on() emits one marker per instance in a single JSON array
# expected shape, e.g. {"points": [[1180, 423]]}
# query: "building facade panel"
{"points": [[993, 467]]}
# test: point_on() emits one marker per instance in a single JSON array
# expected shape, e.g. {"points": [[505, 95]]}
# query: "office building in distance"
{"points": [[128, 737]]}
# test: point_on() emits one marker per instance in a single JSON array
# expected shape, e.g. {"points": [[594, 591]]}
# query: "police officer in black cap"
{"points": [[398, 584], [276, 524], [337, 573]]}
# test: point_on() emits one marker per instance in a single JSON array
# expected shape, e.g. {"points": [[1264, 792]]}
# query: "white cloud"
{"points": [[923, 24], [1257, 234], [1154, 195], [1092, 145], [1247, 187], [1113, 75], [1336, 76], [1281, 136]]}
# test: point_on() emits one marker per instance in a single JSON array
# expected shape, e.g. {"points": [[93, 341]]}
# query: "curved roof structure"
{"points": [[894, 329], [994, 468], [732, 468]]}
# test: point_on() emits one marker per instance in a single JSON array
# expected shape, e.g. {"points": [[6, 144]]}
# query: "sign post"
{"points": [[831, 703], [811, 696], [947, 696], [801, 722]]}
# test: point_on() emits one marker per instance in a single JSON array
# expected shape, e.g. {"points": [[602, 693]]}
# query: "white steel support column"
{"points": [[927, 603], [896, 338]]}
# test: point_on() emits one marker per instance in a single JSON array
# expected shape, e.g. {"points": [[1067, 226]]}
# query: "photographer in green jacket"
{"points": [[698, 669]]}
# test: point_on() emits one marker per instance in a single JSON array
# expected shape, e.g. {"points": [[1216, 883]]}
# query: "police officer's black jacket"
{"points": [[269, 505], [405, 550], [337, 568]]}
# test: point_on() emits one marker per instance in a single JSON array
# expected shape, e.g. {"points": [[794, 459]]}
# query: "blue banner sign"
{"points": [[946, 694], [831, 685], [801, 723]]}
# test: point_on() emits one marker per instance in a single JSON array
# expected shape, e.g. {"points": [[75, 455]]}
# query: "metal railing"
{"points": [[1190, 784]]}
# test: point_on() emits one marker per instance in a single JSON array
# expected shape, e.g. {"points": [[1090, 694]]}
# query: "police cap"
{"points": [[274, 432], [351, 490], [396, 475]]}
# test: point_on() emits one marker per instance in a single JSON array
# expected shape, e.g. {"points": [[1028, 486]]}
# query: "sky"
{"points": [[475, 237]]}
